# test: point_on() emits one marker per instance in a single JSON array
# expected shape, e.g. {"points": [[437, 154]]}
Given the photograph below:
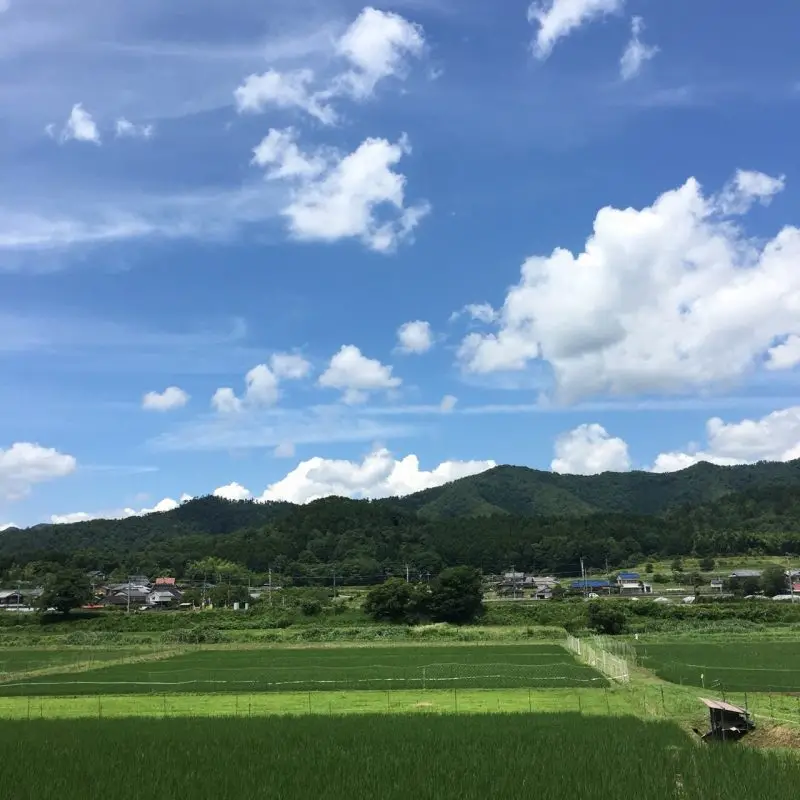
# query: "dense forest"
{"points": [[507, 516]]}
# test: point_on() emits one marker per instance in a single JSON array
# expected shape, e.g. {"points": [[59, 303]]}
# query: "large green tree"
{"points": [[64, 590], [456, 596], [395, 600], [774, 580]]}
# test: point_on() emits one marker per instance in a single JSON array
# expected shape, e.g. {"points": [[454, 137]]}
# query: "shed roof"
{"points": [[746, 573], [720, 706], [590, 584]]}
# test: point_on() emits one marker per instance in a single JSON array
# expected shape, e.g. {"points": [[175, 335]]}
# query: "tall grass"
{"points": [[560, 757]]}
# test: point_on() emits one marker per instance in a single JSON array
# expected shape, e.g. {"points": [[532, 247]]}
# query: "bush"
{"points": [[194, 636], [606, 618]]}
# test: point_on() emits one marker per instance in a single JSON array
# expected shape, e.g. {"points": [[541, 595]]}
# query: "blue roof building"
{"points": [[590, 583], [628, 576]]}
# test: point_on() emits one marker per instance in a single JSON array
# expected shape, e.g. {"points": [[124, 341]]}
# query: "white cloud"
{"points": [[290, 366], [69, 519], [448, 403], [167, 504], [7, 526], [415, 337], [225, 401], [262, 384], [775, 437], [558, 18], [336, 196], [125, 129], [479, 312], [233, 491], [284, 90], [25, 464], [80, 126], [785, 355], [171, 398], [669, 298], [356, 375], [279, 151], [749, 187], [377, 44], [589, 450], [637, 53], [284, 450], [378, 475]]}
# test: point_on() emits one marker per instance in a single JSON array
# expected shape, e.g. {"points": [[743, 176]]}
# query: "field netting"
{"points": [[311, 678], [592, 652]]}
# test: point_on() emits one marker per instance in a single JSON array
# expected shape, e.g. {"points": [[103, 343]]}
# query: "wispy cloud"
{"points": [[273, 427]]}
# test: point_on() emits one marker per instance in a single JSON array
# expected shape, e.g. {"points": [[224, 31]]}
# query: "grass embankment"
{"points": [[560, 757]]}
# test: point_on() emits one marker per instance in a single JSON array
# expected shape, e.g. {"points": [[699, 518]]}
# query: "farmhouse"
{"points": [[591, 584], [631, 583], [163, 596]]}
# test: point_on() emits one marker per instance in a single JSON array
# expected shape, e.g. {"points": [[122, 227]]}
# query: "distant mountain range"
{"points": [[530, 492], [535, 515]]}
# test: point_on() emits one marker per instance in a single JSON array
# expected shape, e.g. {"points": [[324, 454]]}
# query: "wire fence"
{"points": [[592, 652]]}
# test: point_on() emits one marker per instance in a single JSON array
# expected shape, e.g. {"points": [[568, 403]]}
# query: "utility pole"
{"points": [[406, 573], [129, 594], [583, 576], [791, 578], [270, 587], [334, 582]]}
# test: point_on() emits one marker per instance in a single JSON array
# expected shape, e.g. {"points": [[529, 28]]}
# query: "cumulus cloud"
{"points": [[559, 18], [341, 196], [415, 337], [284, 90], [378, 475], [747, 188], [167, 504], [479, 312], [7, 526], [637, 53], [784, 355], [356, 375], [377, 45], [668, 298], [233, 491], [80, 126], [171, 398], [262, 384], [589, 450], [125, 129], [774, 437], [25, 464], [448, 403]]}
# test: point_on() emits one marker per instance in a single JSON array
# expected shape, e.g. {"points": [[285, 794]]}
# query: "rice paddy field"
{"points": [[558, 756], [322, 669], [21, 660], [734, 666]]}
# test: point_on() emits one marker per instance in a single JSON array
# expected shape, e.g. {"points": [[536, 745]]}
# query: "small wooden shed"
{"points": [[728, 722]]}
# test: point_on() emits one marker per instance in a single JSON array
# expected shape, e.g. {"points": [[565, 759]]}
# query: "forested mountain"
{"points": [[528, 492], [507, 516]]}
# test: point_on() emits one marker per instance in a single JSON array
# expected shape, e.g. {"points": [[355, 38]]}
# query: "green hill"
{"points": [[508, 515], [529, 492]]}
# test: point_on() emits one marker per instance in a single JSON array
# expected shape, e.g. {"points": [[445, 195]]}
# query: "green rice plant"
{"points": [[736, 666], [308, 669], [557, 756]]}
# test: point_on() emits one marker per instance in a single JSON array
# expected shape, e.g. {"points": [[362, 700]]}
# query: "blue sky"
{"points": [[300, 248]]}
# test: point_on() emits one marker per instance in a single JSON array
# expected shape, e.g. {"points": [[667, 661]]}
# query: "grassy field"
{"points": [[22, 660], [739, 666], [311, 669], [560, 757]]}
